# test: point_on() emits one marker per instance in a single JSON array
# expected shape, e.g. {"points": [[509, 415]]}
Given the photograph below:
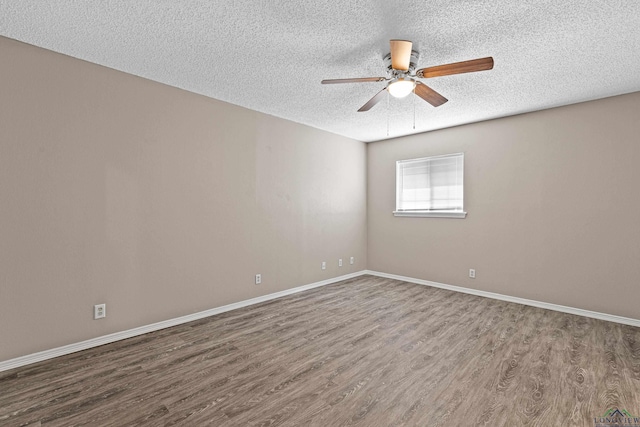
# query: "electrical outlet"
{"points": [[99, 311], [340, 262], [258, 279], [472, 273], [324, 265], [351, 260]]}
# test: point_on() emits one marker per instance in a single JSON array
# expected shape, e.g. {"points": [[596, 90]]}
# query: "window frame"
{"points": [[453, 213]]}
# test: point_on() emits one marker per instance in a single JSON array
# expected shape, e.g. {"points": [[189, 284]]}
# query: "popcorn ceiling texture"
{"points": [[270, 56]]}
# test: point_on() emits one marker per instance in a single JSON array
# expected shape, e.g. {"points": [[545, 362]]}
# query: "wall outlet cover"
{"points": [[99, 311]]}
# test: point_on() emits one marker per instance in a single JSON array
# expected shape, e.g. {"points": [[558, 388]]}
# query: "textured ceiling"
{"points": [[270, 56]]}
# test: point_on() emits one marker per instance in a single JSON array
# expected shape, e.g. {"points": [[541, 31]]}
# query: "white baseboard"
{"points": [[117, 336], [106, 339], [524, 301]]}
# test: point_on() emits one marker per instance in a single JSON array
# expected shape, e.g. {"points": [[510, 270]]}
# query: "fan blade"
{"points": [[429, 95], [357, 80], [456, 68], [400, 54], [373, 101]]}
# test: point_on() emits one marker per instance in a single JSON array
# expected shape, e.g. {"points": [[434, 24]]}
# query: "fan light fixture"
{"points": [[401, 87]]}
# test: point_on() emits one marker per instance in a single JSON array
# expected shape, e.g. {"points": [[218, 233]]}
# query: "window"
{"points": [[430, 187]]}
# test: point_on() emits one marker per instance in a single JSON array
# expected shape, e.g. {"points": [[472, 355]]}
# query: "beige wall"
{"points": [[552, 202], [155, 201]]}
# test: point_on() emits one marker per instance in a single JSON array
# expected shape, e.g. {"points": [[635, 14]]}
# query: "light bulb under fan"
{"points": [[401, 87]]}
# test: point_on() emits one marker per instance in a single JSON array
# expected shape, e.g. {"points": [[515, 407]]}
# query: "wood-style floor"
{"points": [[366, 352]]}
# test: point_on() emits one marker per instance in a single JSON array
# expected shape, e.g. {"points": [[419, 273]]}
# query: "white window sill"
{"points": [[431, 214]]}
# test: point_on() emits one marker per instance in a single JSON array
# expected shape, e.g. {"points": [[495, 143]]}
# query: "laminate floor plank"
{"points": [[368, 351]]}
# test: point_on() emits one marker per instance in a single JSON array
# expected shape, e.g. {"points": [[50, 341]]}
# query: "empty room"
{"points": [[319, 213]]}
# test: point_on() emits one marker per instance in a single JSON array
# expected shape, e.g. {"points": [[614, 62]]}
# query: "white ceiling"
{"points": [[270, 56]]}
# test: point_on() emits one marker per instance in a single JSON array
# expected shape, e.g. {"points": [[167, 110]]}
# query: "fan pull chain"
{"points": [[414, 107], [388, 112]]}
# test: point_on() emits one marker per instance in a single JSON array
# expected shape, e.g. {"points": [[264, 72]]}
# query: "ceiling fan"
{"points": [[401, 64]]}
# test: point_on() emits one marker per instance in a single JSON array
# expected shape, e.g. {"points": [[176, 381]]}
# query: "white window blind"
{"points": [[430, 185]]}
